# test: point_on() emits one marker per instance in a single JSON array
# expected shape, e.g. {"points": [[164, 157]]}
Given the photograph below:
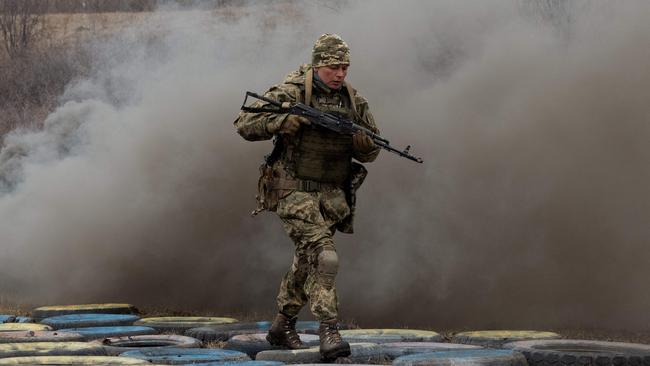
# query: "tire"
{"points": [[223, 332], [252, 344], [118, 345], [39, 336], [57, 310], [181, 356], [50, 349], [23, 319], [242, 363], [569, 352], [361, 353], [18, 327], [72, 360], [389, 335], [7, 318], [474, 357], [180, 324], [497, 338], [89, 320], [398, 349], [107, 332]]}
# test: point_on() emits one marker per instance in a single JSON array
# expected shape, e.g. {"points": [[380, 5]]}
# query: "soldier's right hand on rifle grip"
{"points": [[292, 124]]}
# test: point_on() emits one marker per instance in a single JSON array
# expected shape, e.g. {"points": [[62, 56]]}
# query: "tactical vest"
{"points": [[319, 154]]}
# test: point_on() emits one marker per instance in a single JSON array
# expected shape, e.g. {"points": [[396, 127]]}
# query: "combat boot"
{"points": [[331, 344], [283, 333]]}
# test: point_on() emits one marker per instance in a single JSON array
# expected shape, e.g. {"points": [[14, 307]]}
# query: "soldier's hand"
{"points": [[292, 124], [362, 143]]}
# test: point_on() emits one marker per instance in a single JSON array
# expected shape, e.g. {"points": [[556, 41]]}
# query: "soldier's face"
{"points": [[333, 75]]}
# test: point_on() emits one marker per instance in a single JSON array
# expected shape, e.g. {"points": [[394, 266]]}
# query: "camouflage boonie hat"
{"points": [[330, 49]]}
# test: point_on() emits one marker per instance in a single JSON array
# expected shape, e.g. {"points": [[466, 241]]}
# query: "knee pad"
{"points": [[328, 266]]}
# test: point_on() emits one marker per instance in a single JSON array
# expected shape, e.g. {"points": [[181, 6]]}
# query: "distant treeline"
{"points": [[103, 6]]}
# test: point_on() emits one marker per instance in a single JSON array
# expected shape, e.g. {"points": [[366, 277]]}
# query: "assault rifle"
{"points": [[329, 121]]}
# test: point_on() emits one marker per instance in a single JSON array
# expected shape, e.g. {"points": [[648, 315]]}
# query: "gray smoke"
{"points": [[530, 210]]}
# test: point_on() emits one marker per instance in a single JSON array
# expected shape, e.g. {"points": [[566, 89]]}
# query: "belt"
{"points": [[304, 185]]}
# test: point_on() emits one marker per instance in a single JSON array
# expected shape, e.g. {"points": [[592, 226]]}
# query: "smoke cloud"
{"points": [[530, 210]]}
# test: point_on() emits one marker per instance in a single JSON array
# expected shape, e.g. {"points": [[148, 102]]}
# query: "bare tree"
{"points": [[21, 22]]}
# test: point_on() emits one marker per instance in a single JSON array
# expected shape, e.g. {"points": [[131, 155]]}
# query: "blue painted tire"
{"points": [[475, 357], [107, 332], [181, 356], [7, 318], [90, 320], [23, 319], [223, 332]]}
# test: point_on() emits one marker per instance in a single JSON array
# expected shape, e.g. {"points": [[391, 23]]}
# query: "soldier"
{"points": [[310, 180]]}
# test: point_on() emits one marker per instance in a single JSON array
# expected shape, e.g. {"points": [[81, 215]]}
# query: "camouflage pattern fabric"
{"points": [[309, 219], [330, 49]]}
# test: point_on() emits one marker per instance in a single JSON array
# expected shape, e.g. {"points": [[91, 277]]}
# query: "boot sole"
{"points": [[278, 343], [334, 354]]}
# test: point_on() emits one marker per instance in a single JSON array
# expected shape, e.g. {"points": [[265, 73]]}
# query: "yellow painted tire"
{"points": [[56, 310], [18, 327], [73, 360], [497, 338], [389, 335], [182, 323], [51, 349], [39, 336]]}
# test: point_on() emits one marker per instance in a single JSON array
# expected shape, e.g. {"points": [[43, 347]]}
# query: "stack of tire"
{"points": [[99, 334], [114, 334]]}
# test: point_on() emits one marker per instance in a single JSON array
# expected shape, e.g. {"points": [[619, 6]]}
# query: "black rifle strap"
{"points": [[261, 110]]}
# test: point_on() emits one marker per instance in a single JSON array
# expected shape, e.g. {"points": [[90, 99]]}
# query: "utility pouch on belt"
{"points": [[266, 197], [357, 176]]}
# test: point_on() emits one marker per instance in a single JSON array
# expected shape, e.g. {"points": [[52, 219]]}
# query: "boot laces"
{"points": [[290, 330], [332, 334]]}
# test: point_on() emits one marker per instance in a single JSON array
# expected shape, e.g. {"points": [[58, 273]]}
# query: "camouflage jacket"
{"points": [[255, 126]]}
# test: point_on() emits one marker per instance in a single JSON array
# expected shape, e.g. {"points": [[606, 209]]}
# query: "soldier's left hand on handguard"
{"points": [[362, 143]]}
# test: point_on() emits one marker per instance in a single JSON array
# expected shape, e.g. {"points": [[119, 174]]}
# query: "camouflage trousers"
{"points": [[309, 218]]}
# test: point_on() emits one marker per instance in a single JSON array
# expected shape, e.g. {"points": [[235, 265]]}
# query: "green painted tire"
{"points": [[180, 324], [497, 338], [361, 353], [22, 327], [389, 335], [50, 349], [73, 360], [56, 310], [39, 336]]}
